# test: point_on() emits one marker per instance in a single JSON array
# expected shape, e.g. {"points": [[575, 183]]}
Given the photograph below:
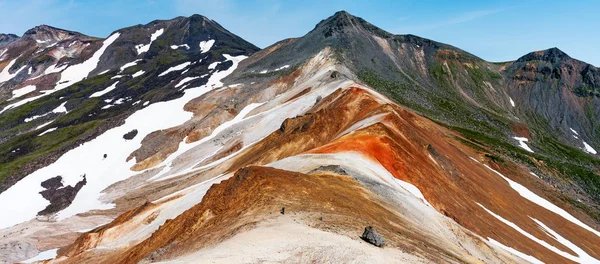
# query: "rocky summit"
{"points": [[178, 141]]}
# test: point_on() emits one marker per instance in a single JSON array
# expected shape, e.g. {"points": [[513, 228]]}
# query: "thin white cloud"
{"points": [[459, 19]]}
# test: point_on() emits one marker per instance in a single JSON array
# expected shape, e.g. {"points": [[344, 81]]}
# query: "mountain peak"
{"points": [[43, 33], [6, 38], [343, 21], [552, 55]]}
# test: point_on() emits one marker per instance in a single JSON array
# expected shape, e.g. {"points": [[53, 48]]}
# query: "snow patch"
{"points": [[137, 74], [213, 65], [511, 102], [206, 45], [531, 196], [43, 125], [105, 91], [180, 46], [48, 254], [22, 91], [574, 132], [80, 71], [61, 108], [5, 75], [47, 131], [53, 68], [185, 80], [175, 68], [582, 257], [141, 48], [522, 144], [129, 64], [589, 148], [515, 252]]}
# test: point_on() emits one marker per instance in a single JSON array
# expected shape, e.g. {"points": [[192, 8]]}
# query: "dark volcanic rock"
{"points": [[371, 236], [130, 135], [59, 197], [53, 183], [337, 169]]}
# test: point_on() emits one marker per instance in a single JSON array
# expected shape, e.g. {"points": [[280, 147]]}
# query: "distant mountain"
{"points": [[178, 141], [42, 70]]}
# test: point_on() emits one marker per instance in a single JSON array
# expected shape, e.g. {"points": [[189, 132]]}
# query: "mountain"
{"points": [[178, 141]]}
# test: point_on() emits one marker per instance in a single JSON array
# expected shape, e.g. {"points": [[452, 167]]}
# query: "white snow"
{"points": [[206, 45], [213, 65], [185, 80], [116, 77], [183, 147], [573, 130], [88, 159], [5, 75], [29, 119], [43, 125], [180, 46], [47, 131], [22, 91], [263, 71], [589, 148], [107, 106], [511, 102], [413, 190], [2, 53], [76, 73], [582, 257], [129, 64], [139, 73], [105, 91], [522, 144], [53, 68], [515, 252], [61, 108], [141, 48], [146, 103], [22, 102], [29, 70], [176, 68], [531, 196], [48, 254], [282, 67]]}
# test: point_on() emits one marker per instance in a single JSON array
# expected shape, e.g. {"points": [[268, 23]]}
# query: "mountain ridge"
{"points": [[177, 140]]}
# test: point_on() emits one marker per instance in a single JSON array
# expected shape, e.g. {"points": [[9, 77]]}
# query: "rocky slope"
{"points": [[183, 143]]}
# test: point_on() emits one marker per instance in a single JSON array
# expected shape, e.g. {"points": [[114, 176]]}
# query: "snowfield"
{"points": [[76, 73], [531, 196], [582, 257], [87, 159]]}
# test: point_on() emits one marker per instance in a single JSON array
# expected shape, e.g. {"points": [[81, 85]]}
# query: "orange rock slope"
{"points": [[349, 158], [451, 176]]}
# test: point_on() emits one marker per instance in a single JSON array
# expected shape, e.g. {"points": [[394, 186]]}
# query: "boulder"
{"points": [[371, 236]]}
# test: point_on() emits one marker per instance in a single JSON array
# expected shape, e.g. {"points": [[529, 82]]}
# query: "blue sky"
{"points": [[492, 30]]}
